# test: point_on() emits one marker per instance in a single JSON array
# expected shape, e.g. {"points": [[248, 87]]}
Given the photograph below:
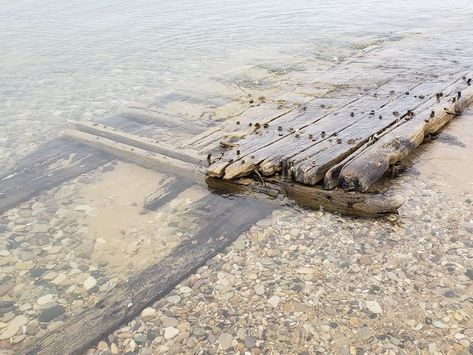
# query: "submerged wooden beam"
{"points": [[169, 188], [145, 158], [50, 165], [128, 299], [186, 155], [337, 200], [148, 115]]}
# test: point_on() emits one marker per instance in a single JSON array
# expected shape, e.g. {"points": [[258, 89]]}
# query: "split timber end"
{"points": [[354, 146], [315, 197]]}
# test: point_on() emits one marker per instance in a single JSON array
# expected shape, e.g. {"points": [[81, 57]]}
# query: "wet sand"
{"points": [[448, 159]]}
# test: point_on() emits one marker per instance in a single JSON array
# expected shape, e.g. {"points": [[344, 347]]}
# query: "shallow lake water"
{"points": [[68, 61]]}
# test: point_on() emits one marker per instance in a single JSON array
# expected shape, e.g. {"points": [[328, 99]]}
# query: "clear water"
{"points": [[68, 60], [74, 60]]}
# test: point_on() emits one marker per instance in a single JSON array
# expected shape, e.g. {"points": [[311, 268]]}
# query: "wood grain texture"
{"points": [[309, 143], [376, 159]]}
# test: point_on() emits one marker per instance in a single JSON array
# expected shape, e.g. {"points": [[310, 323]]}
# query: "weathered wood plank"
{"points": [[147, 159], [310, 166], [308, 113], [186, 155], [372, 163], [50, 165], [268, 159], [126, 300]]}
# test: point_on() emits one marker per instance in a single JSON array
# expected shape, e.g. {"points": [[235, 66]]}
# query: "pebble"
{"points": [[259, 290], [170, 332], [169, 322], [225, 340], [51, 313], [43, 300], [90, 283], [13, 327], [274, 301], [374, 307], [148, 314], [250, 342]]}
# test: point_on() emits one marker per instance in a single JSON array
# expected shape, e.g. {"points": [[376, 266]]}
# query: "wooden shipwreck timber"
{"points": [[326, 151], [351, 144], [330, 148]]}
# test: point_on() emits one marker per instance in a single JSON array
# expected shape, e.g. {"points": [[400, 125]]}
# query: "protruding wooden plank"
{"points": [[186, 155], [228, 219], [49, 166], [139, 156], [372, 163]]}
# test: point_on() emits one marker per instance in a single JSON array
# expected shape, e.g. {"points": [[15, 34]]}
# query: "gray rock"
{"points": [[199, 332], [250, 342], [51, 313], [140, 339]]}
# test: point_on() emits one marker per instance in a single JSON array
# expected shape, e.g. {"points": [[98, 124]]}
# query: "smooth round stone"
{"points": [[170, 332], [225, 340], [148, 314], [43, 300], [13, 327], [274, 301], [90, 283]]}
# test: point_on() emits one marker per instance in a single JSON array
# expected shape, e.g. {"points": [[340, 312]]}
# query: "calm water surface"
{"points": [[62, 61], [75, 60]]}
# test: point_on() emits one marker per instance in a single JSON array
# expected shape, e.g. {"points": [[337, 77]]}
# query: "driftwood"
{"points": [[228, 220]]}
